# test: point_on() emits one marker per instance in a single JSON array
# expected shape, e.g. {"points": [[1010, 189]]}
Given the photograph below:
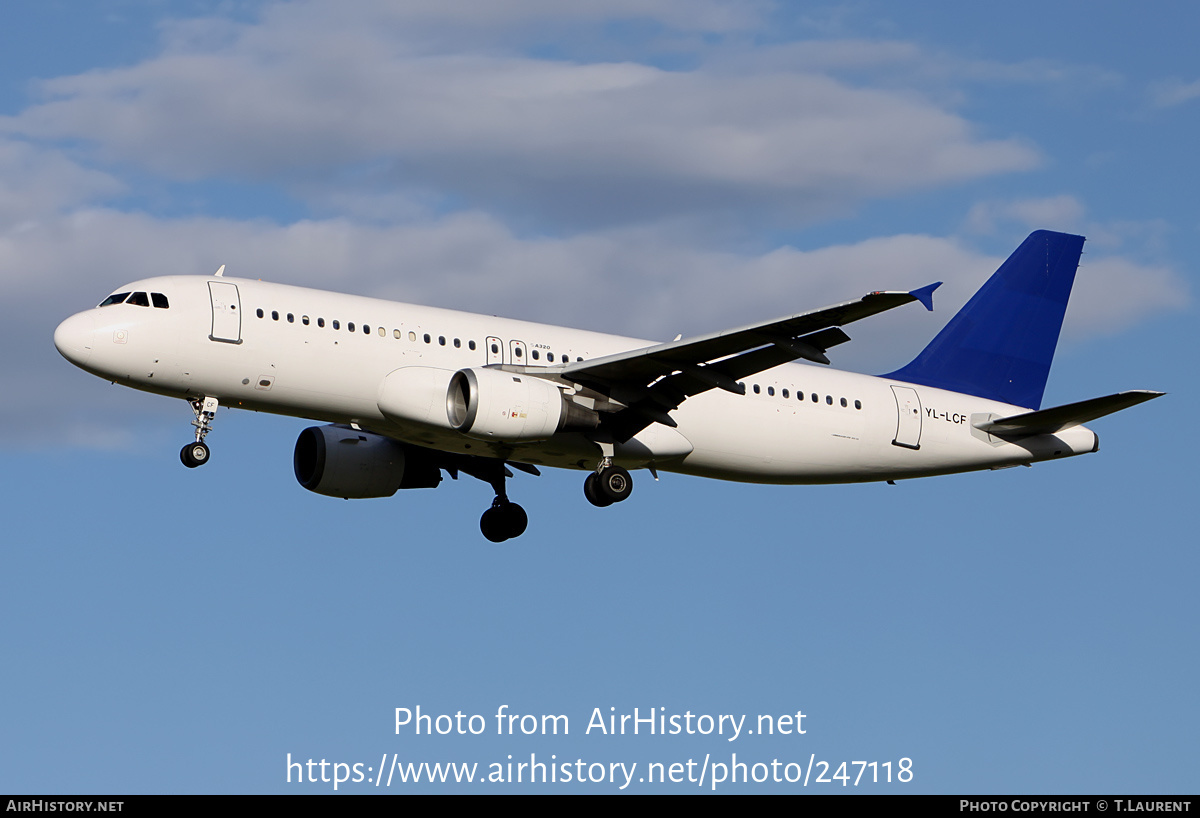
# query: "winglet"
{"points": [[925, 294]]}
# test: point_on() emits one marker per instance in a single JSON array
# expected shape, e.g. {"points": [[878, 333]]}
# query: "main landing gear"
{"points": [[608, 484], [505, 519], [196, 454]]}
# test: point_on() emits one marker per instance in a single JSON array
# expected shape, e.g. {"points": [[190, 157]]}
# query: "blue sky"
{"points": [[649, 168]]}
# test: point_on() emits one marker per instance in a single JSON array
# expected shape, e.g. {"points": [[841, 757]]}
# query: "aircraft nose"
{"points": [[75, 338]]}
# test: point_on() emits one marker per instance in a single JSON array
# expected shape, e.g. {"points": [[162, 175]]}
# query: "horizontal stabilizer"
{"points": [[1049, 421]]}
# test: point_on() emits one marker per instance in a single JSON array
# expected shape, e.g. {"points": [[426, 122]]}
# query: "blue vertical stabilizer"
{"points": [[1000, 345]]}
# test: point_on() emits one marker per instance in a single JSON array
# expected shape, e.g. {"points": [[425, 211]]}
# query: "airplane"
{"points": [[408, 392]]}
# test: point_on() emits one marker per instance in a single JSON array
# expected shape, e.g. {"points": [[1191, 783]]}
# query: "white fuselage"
{"points": [[274, 348]]}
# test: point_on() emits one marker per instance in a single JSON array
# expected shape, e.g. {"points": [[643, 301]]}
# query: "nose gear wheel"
{"points": [[194, 454]]}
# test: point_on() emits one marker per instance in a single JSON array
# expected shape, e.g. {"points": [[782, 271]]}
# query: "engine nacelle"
{"points": [[491, 404], [340, 462], [416, 394]]}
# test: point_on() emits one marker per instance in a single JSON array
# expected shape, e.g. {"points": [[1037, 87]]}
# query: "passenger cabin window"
{"points": [[160, 301], [139, 300], [115, 298]]}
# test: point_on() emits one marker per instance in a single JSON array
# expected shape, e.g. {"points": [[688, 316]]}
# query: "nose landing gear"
{"points": [[197, 453]]}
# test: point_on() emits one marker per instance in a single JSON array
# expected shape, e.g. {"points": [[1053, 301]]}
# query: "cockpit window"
{"points": [[159, 300], [115, 298], [139, 300]]}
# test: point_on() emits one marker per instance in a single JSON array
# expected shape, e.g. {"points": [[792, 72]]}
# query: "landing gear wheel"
{"points": [[205, 409], [503, 521], [614, 484], [592, 492], [194, 454], [517, 520], [492, 525]]}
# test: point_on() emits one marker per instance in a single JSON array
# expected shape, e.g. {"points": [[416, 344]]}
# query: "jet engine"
{"points": [[340, 462], [491, 404], [415, 394]]}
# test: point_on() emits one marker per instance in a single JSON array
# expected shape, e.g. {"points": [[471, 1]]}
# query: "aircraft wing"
{"points": [[652, 381]]}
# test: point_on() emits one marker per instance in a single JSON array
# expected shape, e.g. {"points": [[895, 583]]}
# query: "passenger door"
{"points": [[908, 417], [226, 312]]}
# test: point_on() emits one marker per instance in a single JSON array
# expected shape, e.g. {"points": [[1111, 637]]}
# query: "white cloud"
{"points": [[1114, 293], [827, 56], [37, 182], [1172, 92], [462, 15], [306, 94], [1063, 213], [899, 61]]}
